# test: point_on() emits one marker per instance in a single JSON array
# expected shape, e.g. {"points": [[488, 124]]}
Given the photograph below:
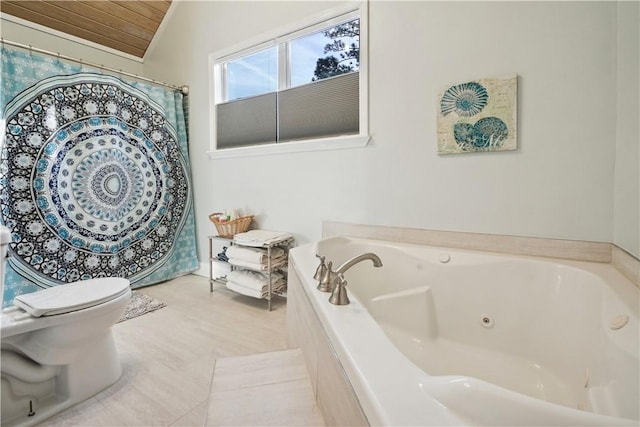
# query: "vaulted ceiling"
{"points": [[124, 25]]}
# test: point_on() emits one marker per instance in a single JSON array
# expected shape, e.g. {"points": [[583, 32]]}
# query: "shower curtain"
{"points": [[94, 177]]}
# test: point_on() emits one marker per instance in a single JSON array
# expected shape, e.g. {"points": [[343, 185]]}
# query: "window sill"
{"points": [[334, 143]]}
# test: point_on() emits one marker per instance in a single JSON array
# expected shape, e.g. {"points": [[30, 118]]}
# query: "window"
{"points": [[326, 53], [253, 74], [301, 86]]}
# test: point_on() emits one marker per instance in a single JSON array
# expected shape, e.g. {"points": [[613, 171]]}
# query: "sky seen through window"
{"points": [[257, 73]]}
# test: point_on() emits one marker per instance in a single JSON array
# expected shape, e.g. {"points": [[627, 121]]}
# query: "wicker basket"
{"points": [[230, 228]]}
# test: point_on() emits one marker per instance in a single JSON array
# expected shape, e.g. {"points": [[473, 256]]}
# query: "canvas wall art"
{"points": [[478, 115]]}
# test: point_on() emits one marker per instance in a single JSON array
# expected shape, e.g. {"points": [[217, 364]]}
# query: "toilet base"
{"points": [[95, 369]]}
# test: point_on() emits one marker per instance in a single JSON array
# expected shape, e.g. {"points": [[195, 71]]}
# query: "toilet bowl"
{"points": [[57, 347]]}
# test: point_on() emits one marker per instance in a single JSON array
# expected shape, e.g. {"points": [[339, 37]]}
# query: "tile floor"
{"points": [[169, 356], [270, 388]]}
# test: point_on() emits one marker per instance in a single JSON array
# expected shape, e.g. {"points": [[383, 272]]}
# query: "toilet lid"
{"points": [[71, 296]]}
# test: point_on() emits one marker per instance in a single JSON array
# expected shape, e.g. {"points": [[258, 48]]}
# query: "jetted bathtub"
{"points": [[440, 336]]}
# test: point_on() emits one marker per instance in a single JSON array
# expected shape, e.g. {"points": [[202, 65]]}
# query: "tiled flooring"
{"points": [[169, 356], [263, 389]]}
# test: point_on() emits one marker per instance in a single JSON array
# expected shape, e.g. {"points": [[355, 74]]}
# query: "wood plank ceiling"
{"points": [[124, 25]]}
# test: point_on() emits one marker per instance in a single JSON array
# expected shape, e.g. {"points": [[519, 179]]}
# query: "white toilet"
{"points": [[57, 347]]}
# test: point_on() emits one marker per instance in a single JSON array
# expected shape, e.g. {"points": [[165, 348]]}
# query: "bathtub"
{"points": [[440, 336]]}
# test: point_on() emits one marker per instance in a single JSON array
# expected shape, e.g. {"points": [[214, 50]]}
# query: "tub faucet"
{"points": [[329, 280], [356, 259]]}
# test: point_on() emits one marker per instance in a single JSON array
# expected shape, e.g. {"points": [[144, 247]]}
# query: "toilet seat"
{"points": [[72, 296]]}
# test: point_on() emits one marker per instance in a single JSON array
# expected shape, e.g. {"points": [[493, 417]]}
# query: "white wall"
{"points": [[626, 230], [558, 184]]}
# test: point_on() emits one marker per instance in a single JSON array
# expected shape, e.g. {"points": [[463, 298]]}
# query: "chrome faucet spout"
{"points": [[353, 261]]}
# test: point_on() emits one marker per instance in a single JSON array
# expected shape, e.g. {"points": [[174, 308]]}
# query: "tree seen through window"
{"points": [[344, 50]]}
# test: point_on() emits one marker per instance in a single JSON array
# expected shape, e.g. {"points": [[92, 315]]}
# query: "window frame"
{"points": [[280, 37]]}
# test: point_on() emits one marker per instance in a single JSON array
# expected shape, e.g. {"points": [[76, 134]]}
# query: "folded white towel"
{"points": [[243, 290], [259, 238], [253, 279], [236, 287], [276, 262], [257, 256]]}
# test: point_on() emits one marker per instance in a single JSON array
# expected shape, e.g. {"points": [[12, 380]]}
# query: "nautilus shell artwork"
{"points": [[478, 116], [466, 99]]}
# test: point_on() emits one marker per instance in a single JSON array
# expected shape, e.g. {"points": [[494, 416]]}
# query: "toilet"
{"points": [[57, 347]]}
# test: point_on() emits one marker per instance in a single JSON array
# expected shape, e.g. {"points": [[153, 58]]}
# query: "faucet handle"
{"points": [[320, 271], [325, 280], [339, 294]]}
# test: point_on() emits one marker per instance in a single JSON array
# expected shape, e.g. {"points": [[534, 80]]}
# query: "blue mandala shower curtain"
{"points": [[94, 177]]}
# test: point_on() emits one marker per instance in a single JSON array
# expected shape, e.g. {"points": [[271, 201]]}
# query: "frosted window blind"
{"points": [[248, 121], [327, 107], [324, 108]]}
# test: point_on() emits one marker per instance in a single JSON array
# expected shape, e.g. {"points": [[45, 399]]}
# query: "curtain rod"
{"points": [[184, 89]]}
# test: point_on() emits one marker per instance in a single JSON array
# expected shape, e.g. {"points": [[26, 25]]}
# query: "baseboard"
{"points": [[203, 270]]}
